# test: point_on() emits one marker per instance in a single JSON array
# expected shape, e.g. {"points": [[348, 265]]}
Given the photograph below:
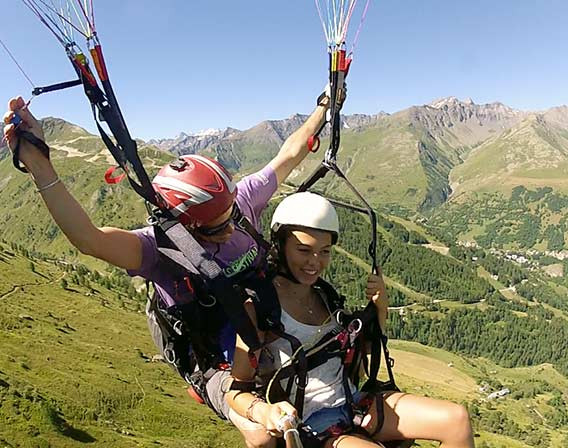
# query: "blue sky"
{"points": [[186, 65]]}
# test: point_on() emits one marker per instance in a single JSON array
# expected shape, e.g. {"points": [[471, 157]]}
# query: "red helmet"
{"points": [[196, 189]]}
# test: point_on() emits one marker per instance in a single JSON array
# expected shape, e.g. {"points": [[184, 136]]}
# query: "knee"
{"points": [[459, 423], [259, 440]]}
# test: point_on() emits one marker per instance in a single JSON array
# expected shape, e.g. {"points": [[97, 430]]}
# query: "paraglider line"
{"points": [[17, 64]]}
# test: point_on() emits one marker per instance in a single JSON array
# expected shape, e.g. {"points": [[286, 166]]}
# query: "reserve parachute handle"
{"points": [[65, 19]]}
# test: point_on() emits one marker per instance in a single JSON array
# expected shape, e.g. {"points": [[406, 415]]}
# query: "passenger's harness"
{"points": [[346, 341]]}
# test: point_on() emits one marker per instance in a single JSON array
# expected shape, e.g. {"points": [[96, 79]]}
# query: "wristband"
{"points": [[49, 185], [248, 413]]}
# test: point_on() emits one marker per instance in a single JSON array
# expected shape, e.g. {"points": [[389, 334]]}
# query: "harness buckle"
{"points": [[349, 356], [343, 338]]}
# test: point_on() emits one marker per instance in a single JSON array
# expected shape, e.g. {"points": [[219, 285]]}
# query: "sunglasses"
{"points": [[220, 228]]}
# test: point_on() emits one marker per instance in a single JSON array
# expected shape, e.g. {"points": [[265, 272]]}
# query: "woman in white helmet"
{"points": [[304, 227]]}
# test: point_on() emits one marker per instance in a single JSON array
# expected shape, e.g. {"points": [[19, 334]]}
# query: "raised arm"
{"points": [[295, 148], [116, 246]]}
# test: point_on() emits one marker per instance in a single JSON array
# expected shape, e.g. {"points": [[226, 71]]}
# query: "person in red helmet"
{"points": [[196, 189], [202, 195]]}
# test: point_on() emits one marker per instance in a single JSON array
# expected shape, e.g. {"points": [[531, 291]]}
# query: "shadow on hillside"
{"points": [[77, 434], [64, 428]]}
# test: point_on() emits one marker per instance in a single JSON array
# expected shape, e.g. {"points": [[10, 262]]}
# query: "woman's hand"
{"points": [[17, 107], [273, 415], [377, 291]]}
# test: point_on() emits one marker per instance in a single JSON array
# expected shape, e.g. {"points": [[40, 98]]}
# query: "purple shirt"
{"points": [[234, 256]]}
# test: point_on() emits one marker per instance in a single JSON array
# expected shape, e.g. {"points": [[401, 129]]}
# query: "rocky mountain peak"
{"points": [[450, 101], [469, 122]]}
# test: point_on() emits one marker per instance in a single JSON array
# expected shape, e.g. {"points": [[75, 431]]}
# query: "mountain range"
{"points": [[425, 162], [450, 171]]}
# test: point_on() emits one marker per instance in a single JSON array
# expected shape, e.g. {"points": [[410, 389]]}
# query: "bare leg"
{"points": [[412, 417], [351, 441]]}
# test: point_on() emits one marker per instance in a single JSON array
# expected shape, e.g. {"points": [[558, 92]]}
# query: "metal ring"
{"points": [[339, 313], [169, 355], [178, 327], [152, 220], [359, 328], [209, 305]]}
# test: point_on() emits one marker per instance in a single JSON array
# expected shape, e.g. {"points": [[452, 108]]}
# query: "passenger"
{"points": [[305, 227]]}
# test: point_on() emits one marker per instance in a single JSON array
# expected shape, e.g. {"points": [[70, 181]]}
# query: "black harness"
{"points": [[192, 326]]}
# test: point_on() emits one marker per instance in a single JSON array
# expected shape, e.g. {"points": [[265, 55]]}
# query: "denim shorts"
{"points": [[320, 420]]}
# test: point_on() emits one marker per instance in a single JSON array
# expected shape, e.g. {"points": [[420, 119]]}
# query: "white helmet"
{"points": [[306, 210]]}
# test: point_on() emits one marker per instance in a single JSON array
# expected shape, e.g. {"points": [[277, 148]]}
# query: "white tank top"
{"points": [[324, 388]]}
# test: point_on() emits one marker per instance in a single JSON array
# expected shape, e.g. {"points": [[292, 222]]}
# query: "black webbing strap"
{"points": [[241, 221], [125, 150], [300, 364], [316, 175], [128, 160], [378, 347], [196, 259], [314, 358], [31, 138], [54, 87]]}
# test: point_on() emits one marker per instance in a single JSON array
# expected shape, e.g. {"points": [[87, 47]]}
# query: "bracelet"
{"points": [[253, 403], [49, 185]]}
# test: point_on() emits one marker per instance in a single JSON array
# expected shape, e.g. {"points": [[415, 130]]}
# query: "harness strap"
{"points": [[194, 257], [243, 222], [176, 350], [301, 371], [31, 138], [53, 87]]}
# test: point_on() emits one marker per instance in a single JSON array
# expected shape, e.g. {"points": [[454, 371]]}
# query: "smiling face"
{"points": [[308, 253]]}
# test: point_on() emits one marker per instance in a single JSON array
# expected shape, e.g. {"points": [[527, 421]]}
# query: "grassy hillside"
{"points": [[532, 153], [459, 378], [75, 368], [74, 364]]}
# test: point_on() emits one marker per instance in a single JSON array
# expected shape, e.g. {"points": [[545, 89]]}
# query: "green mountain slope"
{"points": [[533, 153], [81, 163], [473, 303], [75, 367]]}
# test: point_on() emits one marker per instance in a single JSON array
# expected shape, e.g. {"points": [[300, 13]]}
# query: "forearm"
{"points": [[248, 405], [65, 210], [295, 148]]}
